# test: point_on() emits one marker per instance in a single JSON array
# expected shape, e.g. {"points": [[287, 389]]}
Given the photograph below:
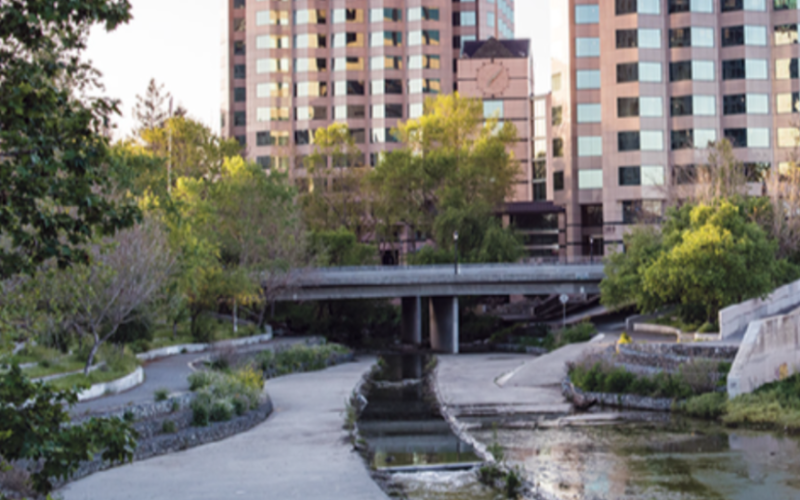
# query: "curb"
{"points": [[174, 350], [113, 387]]}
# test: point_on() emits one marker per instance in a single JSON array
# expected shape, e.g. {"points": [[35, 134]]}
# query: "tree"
{"points": [[624, 271], [149, 110], [453, 172], [35, 428], [52, 151], [335, 197], [341, 248]]}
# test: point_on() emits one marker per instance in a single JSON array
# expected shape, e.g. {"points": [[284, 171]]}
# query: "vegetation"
{"points": [[117, 365], [161, 394], [582, 332], [220, 395], [693, 378], [33, 420], [299, 358]]}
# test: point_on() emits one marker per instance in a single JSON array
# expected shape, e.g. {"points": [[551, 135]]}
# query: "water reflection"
{"points": [[679, 459]]}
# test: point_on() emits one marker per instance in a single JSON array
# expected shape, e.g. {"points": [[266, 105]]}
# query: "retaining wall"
{"points": [[192, 348], [734, 319], [770, 351], [115, 386]]}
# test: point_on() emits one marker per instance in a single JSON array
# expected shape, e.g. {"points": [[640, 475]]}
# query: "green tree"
{"points": [[35, 427], [341, 248], [622, 284], [149, 110], [451, 175], [53, 153]]}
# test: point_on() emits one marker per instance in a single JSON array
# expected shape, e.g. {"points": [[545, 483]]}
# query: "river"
{"points": [[648, 455]]}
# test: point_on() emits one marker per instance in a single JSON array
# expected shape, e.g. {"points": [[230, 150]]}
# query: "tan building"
{"points": [[290, 68], [639, 88]]}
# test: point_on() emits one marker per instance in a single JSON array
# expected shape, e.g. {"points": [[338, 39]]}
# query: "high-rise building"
{"points": [[640, 87], [291, 67]]}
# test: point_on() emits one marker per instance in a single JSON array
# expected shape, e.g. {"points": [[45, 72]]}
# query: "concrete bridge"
{"points": [[442, 284]]}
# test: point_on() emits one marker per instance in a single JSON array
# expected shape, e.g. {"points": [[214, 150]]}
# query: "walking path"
{"points": [[490, 384], [300, 452]]}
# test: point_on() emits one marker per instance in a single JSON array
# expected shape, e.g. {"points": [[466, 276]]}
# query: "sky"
{"points": [[177, 42]]}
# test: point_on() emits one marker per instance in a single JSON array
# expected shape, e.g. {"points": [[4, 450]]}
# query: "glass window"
{"points": [[627, 72], [627, 39], [239, 48], [590, 179], [651, 107], [732, 5], [629, 176], [680, 37], [757, 104], [788, 102], [467, 18], [785, 34], [558, 181], [649, 38], [786, 68], [704, 136], [758, 137], [587, 14], [557, 115], [682, 139], [649, 7], [628, 141], [240, 71], [736, 136], [539, 148], [755, 69], [587, 47], [558, 147], [555, 81], [590, 146], [755, 35], [493, 109], [785, 4], [589, 113], [273, 89], [539, 108], [703, 70], [627, 106], [585, 79], [691, 6], [592, 215], [681, 105], [490, 19], [415, 110], [649, 72], [732, 35], [702, 37], [239, 94], [679, 71], [652, 175], [733, 69], [625, 7], [735, 104], [651, 140], [788, 137], [704, 105]]}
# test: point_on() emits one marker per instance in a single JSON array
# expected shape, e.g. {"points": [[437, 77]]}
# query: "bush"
{"points": [[221, 411], [708, 327], [198, 380], [299, 358], [201, 410], [582, 332], [240, 405], [710, 405], [168, 427], [161, 394], [618, 381]]}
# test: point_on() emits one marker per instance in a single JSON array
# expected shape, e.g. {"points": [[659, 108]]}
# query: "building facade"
{"points": [[640, 88], [291, 67]]}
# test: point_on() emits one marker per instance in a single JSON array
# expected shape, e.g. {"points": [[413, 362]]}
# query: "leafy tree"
{"points": [[35, 427], [52, 152], [336, 171], [452, 173], [341, 248], [149, 110], [624, 270]]}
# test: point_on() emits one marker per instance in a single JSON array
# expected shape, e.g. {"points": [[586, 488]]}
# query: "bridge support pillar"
{"points": [[412, 320], [444, 324]]}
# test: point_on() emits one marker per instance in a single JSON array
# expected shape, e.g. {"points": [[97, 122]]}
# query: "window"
{"points": [[272, 114], [682, 139], [348, 64], [415, 110], [310, 16], [238, 48], [558, 147], [785, 34], [556, 111], [680, 37], [311, 113], [676, 6], [785, 4], [590, 179], [273, 89], [385, 15], [630, 176], [311, 89], [627, 39], [681, 106], [239, 94], [750, 69], [627, 106], [585, 79], [587, 14], [490, 19], [698, 105], [649, 72], [638, 6], [493, 109], [425, 61], [786, 68], [239, 71], [691, 37], [386, 62], [587, 47], [788, 137], [558, 181], [587, 113], [642, 38], [386, 39], [691, 70], [424, 37], [628, 72], [238, 4], [788, 102], [540, 192], [745, 103], [748, 137], [625, 7], [636, 211], [555, 81], [732, 35], [348, 16], [239, 119], [628, 141], [464, 18], [348, 39], [590, 146]]}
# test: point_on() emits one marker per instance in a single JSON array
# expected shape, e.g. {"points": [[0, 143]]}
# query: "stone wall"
{"points": [[736, 318], [629, 401], [770, 351]]}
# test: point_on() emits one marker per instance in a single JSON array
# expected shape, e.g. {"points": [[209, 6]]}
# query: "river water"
{"points": [[647, 456]]}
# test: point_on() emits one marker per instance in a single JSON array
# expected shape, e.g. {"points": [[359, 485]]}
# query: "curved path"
{"points": [[300, 452]]}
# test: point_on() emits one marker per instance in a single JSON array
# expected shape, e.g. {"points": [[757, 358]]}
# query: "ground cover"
{"points": [[119, 362]]}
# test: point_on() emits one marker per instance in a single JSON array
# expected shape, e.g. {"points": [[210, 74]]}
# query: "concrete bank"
{"points": [[299, 452]]}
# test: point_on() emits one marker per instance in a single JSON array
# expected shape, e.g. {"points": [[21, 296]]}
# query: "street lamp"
{"points": [[591, 249], [455, 249]]}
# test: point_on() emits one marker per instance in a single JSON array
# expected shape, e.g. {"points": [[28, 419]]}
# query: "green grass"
{"points": [[298, 358], [117, 365], [690, 327], [221, 330], [65, 364], [34, 354]]}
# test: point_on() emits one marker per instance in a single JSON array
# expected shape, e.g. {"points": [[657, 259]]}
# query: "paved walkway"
{"points": [[300, 452], [489, 384]]}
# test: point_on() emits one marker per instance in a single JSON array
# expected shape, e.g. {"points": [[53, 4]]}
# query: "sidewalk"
{"points": [[300, 452]]}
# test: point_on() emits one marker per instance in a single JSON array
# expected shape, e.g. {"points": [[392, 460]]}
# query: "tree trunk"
{"points": [[92, 354], [174, 330], [235, 322]]}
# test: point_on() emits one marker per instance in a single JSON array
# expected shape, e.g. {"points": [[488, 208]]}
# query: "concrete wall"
{"points": [[770, 351], [734, 319]]}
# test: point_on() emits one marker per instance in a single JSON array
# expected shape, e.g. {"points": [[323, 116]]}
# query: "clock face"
{"points": [[493, 79]]}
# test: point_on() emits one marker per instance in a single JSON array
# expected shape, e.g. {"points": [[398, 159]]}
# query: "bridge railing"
{"points": [[532, 262]]}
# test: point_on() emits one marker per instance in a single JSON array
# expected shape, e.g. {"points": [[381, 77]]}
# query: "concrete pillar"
{"points": [[412, 366], [444, 324], [412, 320]]}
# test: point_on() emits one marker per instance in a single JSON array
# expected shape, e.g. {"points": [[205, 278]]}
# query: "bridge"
{"points": [[442, 284]]}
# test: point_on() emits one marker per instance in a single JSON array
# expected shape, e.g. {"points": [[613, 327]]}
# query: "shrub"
{"points": [[161, 394], [489, 474], [198, 380], [299, 358], [618, 381], [168, 427], [175, 406], [221, 411], [700, 375], [201, 409], [708, 327], [710, 405], [240, 405]]}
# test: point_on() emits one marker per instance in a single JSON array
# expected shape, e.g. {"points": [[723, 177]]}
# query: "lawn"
{"points": [[117, 366]]}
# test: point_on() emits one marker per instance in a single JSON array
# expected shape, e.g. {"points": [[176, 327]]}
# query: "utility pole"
{"points": [[169, 161]]}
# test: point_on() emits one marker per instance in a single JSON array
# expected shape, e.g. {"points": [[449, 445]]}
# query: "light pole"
{"points": [[455, 249], [591, 249]]}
